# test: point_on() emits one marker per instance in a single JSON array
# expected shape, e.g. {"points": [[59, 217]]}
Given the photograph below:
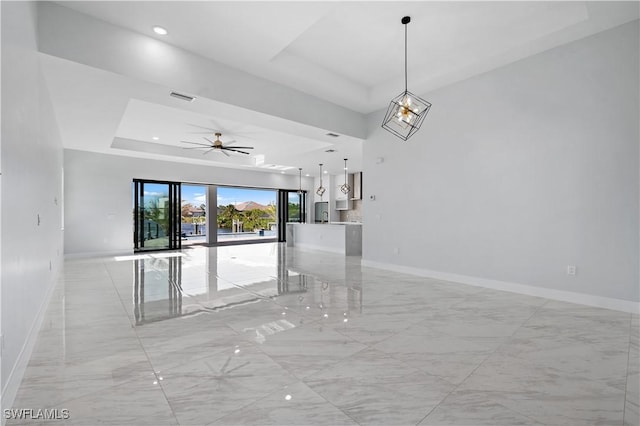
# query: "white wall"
{"points": [[518, 173], [98, 194], [31, 187]]}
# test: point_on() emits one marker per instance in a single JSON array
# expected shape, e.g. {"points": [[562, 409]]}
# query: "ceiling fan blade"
{"points": [[242, 147], [195, 143], [208, 140], [225, 153], [199, 133], [207, 151], [235, 150], [221, 129], [195, 147], [237, 130]]}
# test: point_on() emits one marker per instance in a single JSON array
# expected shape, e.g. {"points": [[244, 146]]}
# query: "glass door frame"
{"points": [[174, 215], [283, 210]]}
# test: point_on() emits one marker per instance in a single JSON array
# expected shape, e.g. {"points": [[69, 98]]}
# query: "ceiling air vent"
{"points": [[333, 135], [330, 150], [182, 96]]}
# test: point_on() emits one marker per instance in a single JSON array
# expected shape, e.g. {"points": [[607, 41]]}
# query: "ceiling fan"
{"points": [[218, 145]]}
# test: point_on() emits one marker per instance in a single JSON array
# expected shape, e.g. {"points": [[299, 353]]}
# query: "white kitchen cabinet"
{"points": [[343, 204], [342, 200]]}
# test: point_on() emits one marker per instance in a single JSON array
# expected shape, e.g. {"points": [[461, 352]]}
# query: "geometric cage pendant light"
{"points": [[300, 191], [345, 188], [321, 189], [406, 111]]}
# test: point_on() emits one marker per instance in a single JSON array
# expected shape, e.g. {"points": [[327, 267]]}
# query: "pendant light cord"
{"points": [[345, 171], [405, 57]]}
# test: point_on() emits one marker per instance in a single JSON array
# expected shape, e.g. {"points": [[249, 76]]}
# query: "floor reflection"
{"points": [[200, 280], [157, 289]]}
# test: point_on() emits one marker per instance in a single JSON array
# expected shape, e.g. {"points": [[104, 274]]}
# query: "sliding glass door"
{"points": [[156, 214], [291, 208], [295, 207]]}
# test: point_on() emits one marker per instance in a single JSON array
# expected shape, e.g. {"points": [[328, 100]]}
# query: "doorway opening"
{"points": [[246, 215], [156, 215], [293, 207], [169, 215], [193, 210]]}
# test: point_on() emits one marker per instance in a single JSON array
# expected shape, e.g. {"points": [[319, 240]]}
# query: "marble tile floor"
{"points": [[269, 335]]}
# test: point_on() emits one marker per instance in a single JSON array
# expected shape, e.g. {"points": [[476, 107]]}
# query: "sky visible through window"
{"points": [[196, 195], [193, 194]]}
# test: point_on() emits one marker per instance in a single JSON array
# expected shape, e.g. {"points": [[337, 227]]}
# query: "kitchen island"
{"points": [[336, 237]]}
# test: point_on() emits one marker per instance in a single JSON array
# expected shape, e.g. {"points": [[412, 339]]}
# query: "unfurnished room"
{"points": [[320, 213]]}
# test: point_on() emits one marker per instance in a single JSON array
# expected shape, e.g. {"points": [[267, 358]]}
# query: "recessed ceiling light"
{"points": [[159, 30], [307, 175], [155, 138], [325, 172], [282, 172]]}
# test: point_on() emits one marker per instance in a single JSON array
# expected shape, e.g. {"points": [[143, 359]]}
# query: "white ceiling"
{"points": [[104, 112], [272, 150], [347, 53], [351, 53]]}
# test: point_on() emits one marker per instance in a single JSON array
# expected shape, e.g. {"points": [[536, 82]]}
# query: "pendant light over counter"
{"points": [[345, 188], [300, 187], [321, 189], [406, 111]]}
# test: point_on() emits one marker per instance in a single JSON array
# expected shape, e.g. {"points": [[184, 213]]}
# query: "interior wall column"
{"points": [[212, 215]]}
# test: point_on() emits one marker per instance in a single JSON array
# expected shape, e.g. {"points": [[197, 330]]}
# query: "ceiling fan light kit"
{"points": [[406, 111]]}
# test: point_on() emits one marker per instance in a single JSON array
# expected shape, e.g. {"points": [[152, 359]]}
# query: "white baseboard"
{"points": [[529, 290], [10, 389], [88, 254]]}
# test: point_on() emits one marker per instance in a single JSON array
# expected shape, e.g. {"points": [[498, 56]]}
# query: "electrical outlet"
{"points": [[571, 269]]}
